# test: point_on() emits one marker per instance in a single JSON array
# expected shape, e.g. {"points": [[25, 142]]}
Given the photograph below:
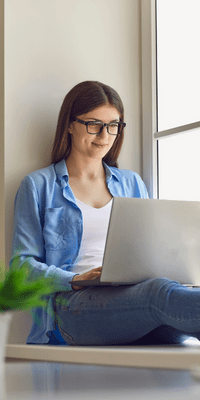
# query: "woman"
{"points": [[61, 219]]}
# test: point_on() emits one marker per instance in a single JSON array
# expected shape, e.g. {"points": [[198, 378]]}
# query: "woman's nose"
{"points": [[104, 132]]}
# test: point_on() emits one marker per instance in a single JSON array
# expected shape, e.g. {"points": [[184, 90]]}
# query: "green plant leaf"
{"points": [[18, 291]]}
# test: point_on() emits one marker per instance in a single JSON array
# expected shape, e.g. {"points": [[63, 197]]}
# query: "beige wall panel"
{"points": [[51, 45]]}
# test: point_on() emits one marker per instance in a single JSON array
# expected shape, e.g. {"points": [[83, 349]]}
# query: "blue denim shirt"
{"points": [[48, 229]]}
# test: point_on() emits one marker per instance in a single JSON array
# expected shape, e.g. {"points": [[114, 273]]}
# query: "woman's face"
{"points": [[93, 146]]}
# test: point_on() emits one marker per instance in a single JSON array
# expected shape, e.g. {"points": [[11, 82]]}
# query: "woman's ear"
{"points": [[70, 128]]}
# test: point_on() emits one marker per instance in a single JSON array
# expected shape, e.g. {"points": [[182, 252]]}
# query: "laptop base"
{"points": [[94, 282]]}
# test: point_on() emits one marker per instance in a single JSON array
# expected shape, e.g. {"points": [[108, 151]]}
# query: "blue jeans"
{"points": [[154, 311]]}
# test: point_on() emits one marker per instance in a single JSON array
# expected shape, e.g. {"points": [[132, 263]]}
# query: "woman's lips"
{"points": [[100, 145]]}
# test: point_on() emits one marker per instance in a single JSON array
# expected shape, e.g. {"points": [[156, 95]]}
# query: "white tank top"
{"points": [[95, 226]]}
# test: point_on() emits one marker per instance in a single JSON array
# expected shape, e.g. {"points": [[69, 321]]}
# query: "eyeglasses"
{"points": [[96, 127]]}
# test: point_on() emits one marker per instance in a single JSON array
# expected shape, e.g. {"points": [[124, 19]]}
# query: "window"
{"points": [[170, 98]]}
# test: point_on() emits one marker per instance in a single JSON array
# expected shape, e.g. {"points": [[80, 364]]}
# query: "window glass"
{"points": [[178, 62], [179, 166]]}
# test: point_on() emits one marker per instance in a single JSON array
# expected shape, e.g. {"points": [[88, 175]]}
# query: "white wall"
{"points": [[2, 208], [51, 45]]}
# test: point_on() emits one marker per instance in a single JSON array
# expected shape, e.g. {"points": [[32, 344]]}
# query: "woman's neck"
{"points": [[85, 169]]}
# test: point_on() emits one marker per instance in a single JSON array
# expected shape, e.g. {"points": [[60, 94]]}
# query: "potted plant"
{"points": [[19, 292]]}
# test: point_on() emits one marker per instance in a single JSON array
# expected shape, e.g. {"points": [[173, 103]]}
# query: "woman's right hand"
{"points": [[92, 274]]}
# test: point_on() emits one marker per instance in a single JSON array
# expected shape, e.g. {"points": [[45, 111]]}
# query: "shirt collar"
{"points": [[61, 171], [109, 172]]}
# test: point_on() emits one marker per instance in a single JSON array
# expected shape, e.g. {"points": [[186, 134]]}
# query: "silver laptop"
{"points": [[151, 239]]}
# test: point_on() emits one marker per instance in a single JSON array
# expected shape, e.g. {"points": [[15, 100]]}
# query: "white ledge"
{"points": [[166, 357]]}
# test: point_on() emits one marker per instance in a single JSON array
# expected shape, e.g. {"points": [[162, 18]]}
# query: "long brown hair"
{"points": [[81, 99]]}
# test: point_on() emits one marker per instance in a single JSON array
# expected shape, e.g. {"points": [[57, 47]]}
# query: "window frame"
{"points": [[150, 134]]}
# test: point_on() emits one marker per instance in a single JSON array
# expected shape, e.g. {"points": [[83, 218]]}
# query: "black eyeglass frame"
{"points": [[86, 123]]}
